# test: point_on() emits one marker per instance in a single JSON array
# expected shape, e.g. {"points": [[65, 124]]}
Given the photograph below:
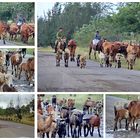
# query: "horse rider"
{"points": [[97, 38], [59, 36], [19, 21]]}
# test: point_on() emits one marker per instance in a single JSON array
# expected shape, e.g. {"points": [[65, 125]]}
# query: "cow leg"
{"points": [[99, 131], [68, 130], [115, 124], [126, 124], [120, 123], [12, 68], [90, 50], [91, 130], [20, 70]]}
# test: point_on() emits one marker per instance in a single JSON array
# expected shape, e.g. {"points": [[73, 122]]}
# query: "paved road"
{"points": [[14, 130], [91, 79], [7, 43], [121, 133]]}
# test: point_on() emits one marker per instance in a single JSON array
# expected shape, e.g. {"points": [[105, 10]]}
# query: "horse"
{"points": [[95, 48], [61, 44], [16, 60], [120, 114], [72, 47], [75, 123], [89, 124]]}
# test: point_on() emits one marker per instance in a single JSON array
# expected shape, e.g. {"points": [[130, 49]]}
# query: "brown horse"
{"points": [[95, 48], [72, 47], [94, 121], [16, 60], [134, 113], [121, 114], [66, 57]]}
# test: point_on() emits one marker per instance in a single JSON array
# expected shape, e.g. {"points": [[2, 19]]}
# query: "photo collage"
{"points": [[69, 69]]}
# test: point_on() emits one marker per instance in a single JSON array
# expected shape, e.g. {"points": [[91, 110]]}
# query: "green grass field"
{"points": [[85, 51], [29, 50], [26, 119], [124, 96], [79, 98]]}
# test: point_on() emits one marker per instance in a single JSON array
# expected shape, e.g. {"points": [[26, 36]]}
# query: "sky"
{"points": [[43, 7], [5, 99]]}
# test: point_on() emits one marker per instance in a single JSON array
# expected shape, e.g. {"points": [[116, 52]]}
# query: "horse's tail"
{"points": [[115, 111]]}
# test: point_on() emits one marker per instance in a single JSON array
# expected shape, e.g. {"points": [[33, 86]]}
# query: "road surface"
{"points": [[14, 130], [91, 79], [7, 43], [120, 133]]}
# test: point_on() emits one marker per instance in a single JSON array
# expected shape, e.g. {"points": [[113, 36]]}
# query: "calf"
{"points": [[82, 61], [118, 60], [120, 114]]}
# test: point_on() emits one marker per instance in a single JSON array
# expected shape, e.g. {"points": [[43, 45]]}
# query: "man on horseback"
{"points": [[19, 21], [97, 38], [59, 36]]}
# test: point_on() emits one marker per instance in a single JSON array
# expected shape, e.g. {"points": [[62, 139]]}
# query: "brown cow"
{"points": [[3, 31], [66, 57], [71, 103], [72, 47], [134, 113], [13, 31], [26, 31], [120, 114], [132, 53]]}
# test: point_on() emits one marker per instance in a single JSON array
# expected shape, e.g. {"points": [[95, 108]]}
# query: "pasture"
{"points": [[121, 102], [84, 106]]}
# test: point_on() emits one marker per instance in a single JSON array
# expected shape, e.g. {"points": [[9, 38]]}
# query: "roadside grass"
{"points": [[80, 50], [79, 98], [29, 50], [26, 119], [20, 43], [124, 96]]}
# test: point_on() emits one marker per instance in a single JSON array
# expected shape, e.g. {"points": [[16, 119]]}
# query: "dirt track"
{"points": [[91, 79], [120, 133]]}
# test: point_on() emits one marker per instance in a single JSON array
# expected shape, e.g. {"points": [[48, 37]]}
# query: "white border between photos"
{"points": [[36, 70]]}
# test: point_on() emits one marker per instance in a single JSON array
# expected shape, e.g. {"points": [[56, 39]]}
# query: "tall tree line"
{"points": [[80, 21], [9, 10]]}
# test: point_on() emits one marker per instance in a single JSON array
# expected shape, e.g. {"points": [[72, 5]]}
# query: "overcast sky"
{"points": [[43, 7], [5, 99]]}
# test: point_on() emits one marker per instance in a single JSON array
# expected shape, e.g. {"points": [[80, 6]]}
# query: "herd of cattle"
{"points": [[130, 112], [15, 60], [108, 53], [62, 119], [12, 31]]}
